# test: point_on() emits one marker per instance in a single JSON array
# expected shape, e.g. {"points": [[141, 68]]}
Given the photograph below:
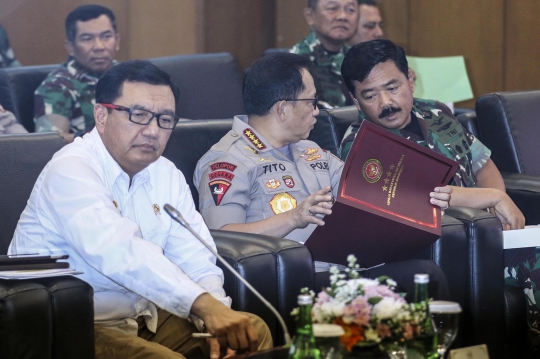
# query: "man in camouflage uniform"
{"points": [[64, 101], [434, 126], [7, 57], [332, 22], [377, 75]]}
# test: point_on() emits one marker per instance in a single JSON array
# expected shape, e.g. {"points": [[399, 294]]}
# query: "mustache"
{"points": [[389, 111]]}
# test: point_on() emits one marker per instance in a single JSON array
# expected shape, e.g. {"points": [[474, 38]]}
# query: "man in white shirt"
{"points": [[100, 200]]}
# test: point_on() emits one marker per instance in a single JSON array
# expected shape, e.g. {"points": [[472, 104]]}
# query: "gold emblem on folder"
{"points": [[372, 170]]}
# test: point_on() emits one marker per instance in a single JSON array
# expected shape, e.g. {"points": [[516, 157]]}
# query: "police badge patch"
{"points": [[218, 189], [289, 182], [273, 184]]}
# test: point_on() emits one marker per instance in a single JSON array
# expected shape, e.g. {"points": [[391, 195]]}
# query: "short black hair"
{"points": [[85, 13], [363, 57], [313, 3], [367, 2], [109, 86], [272, 78]]}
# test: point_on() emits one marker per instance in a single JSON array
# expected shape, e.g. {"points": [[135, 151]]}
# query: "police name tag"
{"points": [[474, 352]]}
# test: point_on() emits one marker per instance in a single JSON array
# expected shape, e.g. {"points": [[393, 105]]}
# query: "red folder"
{"points": [[382, 211]]}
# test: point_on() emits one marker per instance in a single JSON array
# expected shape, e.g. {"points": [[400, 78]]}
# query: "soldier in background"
{"points": [[7, 57], [64, 101], [333, 23], [369, 22]]}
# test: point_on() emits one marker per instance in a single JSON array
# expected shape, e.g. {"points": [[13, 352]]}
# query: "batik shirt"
{"points": [[326, 71], [68, 91], [442, 133], [7, 57]]}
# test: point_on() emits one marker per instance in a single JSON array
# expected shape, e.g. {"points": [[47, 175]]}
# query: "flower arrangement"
{"points": [[368, 310]]}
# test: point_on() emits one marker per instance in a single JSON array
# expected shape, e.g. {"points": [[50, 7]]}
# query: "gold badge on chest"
{"points": [[157, 210], [282, 202]]}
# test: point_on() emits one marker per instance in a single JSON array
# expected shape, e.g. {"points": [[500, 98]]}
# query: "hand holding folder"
{"points": [[383, 211]]}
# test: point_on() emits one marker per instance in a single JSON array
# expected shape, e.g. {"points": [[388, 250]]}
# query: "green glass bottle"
{"points": [[426, 343], [303, 344]]}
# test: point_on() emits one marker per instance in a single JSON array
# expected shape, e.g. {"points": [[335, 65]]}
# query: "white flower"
{"points": [[334, 307], [365, 282], [371, 335], [387, 308]]}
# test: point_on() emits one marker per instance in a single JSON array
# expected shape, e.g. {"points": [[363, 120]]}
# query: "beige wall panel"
{"points": [[36, 27], [395, 15], [162, 28], [291, 27], [244, 28], [522, 48], [473, 29]]}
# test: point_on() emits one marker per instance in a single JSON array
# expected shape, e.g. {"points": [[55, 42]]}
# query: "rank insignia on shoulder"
{"points": [[252, 137], [218, 188], [289, 182], [282, 202], [157, 210], [273, 184], [115, 203]]}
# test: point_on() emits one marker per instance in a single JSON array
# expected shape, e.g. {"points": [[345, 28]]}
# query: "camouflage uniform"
{"points": [[326, 71], [523, 270], [523, 264], [442, 133], [7, 57], [68, 91]]}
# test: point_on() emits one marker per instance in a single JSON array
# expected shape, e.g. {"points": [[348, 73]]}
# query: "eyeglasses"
{"points": [[314, 101], [144, 117]]}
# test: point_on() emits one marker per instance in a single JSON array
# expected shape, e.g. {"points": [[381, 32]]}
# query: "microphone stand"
{"points": [[177, 216]]}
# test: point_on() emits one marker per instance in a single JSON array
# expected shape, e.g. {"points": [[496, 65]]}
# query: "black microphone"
{"points": [[177, 216]]}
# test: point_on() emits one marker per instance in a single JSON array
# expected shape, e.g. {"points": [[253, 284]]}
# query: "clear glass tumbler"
{"points": [[446, 319]]}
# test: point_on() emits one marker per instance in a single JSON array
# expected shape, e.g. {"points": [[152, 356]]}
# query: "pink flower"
{"points": [[382, 291], [323, 297], [359, 310], [408, 331], [383, 330]]}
